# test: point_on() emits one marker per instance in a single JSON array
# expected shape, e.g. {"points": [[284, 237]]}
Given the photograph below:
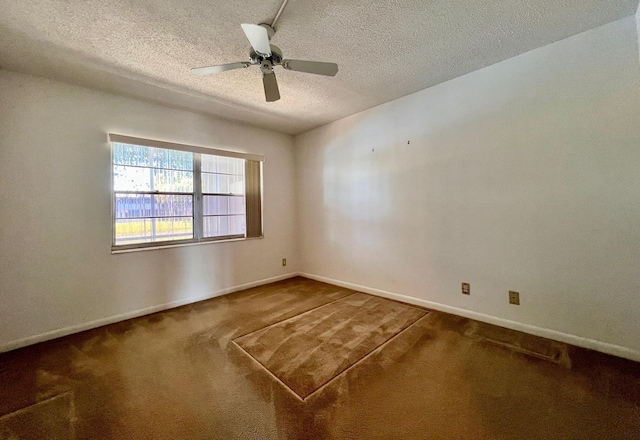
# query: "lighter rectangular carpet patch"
{"points": [[308, 350]]}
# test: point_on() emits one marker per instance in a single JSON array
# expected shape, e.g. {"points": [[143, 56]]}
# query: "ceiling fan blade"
{"points": [[217, 69], [315, 67], [271, 91], [258, 37]]}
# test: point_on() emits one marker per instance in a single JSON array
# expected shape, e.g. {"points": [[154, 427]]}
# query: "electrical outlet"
{"points": [[514, 297], [466, 289], [284, 261]]}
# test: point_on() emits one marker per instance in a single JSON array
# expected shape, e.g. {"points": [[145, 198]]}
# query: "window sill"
{"points": [[118, 250]]}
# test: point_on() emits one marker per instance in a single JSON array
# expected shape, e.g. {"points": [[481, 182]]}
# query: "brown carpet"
{"points": [[179, 375], [309, 350], [51, 419]]}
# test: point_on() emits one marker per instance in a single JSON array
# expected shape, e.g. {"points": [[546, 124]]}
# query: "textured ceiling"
{"points": [[385, 49]]}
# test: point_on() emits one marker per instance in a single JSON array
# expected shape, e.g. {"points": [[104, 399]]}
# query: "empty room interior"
{"points": [[319, 219]]}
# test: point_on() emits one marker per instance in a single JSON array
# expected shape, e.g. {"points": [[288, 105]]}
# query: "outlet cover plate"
{"points": [[466, 289], [514, 297]]}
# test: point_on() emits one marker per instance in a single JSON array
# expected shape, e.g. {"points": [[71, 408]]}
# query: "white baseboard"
{"points": [[579, 341], [12, 345]]}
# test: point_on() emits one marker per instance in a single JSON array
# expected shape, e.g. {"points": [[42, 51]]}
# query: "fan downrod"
{"points": [[270, 31]]}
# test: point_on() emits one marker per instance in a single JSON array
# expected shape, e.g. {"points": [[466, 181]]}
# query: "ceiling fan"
{"points": [[266, 55]]}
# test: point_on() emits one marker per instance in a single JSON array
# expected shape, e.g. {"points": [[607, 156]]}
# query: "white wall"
{"points": [[524, 175], [57, 273]]}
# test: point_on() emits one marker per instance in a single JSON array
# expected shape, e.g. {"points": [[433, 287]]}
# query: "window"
{"points": [[223, 201], [168, 194]]}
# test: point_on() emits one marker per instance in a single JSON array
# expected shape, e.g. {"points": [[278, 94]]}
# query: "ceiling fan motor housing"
{"points": [[275, 58]]}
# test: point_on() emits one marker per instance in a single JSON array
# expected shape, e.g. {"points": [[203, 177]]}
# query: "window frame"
{"points": [[198, 205]]}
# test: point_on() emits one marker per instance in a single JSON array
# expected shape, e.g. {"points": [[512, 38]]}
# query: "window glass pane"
{"points": [[222, 184], [153, 205], [223, 205], [222, 175], [139, 156], [171, 159], [172, 181], [131, 231], [127, 178], [222, 165], [125, 154], [220, 226]]}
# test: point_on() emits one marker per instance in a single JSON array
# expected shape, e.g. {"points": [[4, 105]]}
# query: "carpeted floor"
{"points": [[182, 374], [309, 350]]}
